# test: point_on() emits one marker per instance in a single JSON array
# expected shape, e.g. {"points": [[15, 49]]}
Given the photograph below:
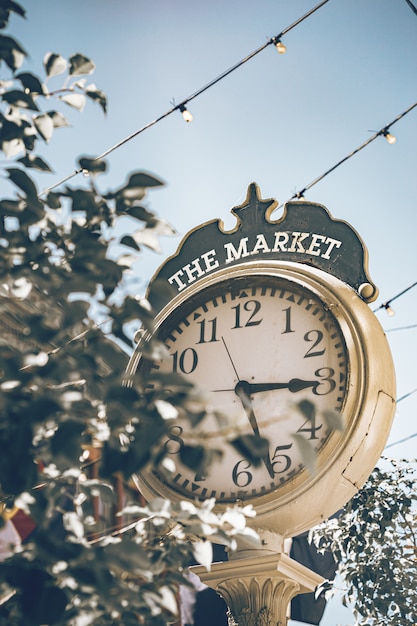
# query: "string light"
{"points": [[389, 310], [379, 133], [273, 40], [185, 113], [390, 138], [387, 305], [281, 48], [194, 95]]}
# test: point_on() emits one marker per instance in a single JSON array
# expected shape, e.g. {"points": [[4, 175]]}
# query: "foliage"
{"points": [[70, 428], [23, 92], [374, 541]]}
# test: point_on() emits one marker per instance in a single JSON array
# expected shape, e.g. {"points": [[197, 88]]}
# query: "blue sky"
{"points": [[279, 120]]}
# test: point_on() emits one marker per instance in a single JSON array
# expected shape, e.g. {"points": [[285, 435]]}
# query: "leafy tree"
{"points": [[374, 542], [70, 429]]}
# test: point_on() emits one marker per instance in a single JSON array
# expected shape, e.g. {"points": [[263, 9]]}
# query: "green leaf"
{"points": [[149, 237], [31, 82], [66, 443], [334, 420], [80, 64], [11, 52], [308, 454], [203, 553], [23, 181], [127, 240], [193, 457], [16, 7], [6, 7], [44, 125], [171, 380], [58, 119], [35, 162], [161, 293], [252, 447], [53, 200], [142, 214], [119, 393], [142, 179], [83, 200], [94, 166], [12, 207], [97, 95], [21, 99], [54, 64], [74, 100], [73, 524], [12, 147], [308, 409]]}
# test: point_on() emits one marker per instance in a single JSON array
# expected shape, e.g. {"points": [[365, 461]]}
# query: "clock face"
{"points": [[273, 362]]}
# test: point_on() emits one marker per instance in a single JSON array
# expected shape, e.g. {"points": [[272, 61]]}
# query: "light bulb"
{"points": [[389, 310], [390, 138], [282, 49], [186, 114]]}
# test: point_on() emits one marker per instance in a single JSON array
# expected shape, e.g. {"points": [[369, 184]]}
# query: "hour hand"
{"points": [[293, 385], [247, 405]]}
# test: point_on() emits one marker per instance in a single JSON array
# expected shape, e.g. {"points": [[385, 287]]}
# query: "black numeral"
{"points": [[208, 330], [288, 328], [327, 383], [185, 361], [174, 443], [241, 477], [281, 462], [310, 427], [250, 306], [315, 337]]}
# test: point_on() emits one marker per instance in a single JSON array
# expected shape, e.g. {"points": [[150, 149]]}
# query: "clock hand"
{"points": [[230, 358], [294, 385], [247, 405]]}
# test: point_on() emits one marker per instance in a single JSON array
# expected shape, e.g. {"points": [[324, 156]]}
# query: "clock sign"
{"points": [[271, 321]]}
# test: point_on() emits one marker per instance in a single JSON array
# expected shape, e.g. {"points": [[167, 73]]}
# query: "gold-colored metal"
{"points": [[347, 458]]}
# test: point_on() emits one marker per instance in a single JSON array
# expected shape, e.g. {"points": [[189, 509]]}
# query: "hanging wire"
{"points": [[181, 105], [382, 132], [411, 5], [407, 395], [396, 443], [390, 330], [386, 305]]}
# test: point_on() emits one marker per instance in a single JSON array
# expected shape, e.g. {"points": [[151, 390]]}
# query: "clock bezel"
{"points": [[298, 504]]}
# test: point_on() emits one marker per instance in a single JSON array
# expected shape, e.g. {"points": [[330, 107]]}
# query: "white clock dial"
{"points": [[260, 346]]}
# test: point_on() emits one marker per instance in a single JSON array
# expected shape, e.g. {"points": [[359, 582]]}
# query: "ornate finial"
{"points": [[259, 209]]}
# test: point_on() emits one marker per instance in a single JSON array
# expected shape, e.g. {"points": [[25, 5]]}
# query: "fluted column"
{"points": [[258, 590]]}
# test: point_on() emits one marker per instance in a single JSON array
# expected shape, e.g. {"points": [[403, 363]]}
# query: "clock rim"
{"points": [[364, 340]]}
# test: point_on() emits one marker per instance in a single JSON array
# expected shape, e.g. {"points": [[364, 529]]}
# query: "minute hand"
{"points": [[294, 385]]}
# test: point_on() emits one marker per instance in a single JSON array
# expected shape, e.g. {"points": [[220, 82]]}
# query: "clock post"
{"points": [[259, 590], [271, 319]]}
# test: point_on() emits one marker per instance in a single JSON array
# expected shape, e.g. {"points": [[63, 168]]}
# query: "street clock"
{"points": [[271, 321]]}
